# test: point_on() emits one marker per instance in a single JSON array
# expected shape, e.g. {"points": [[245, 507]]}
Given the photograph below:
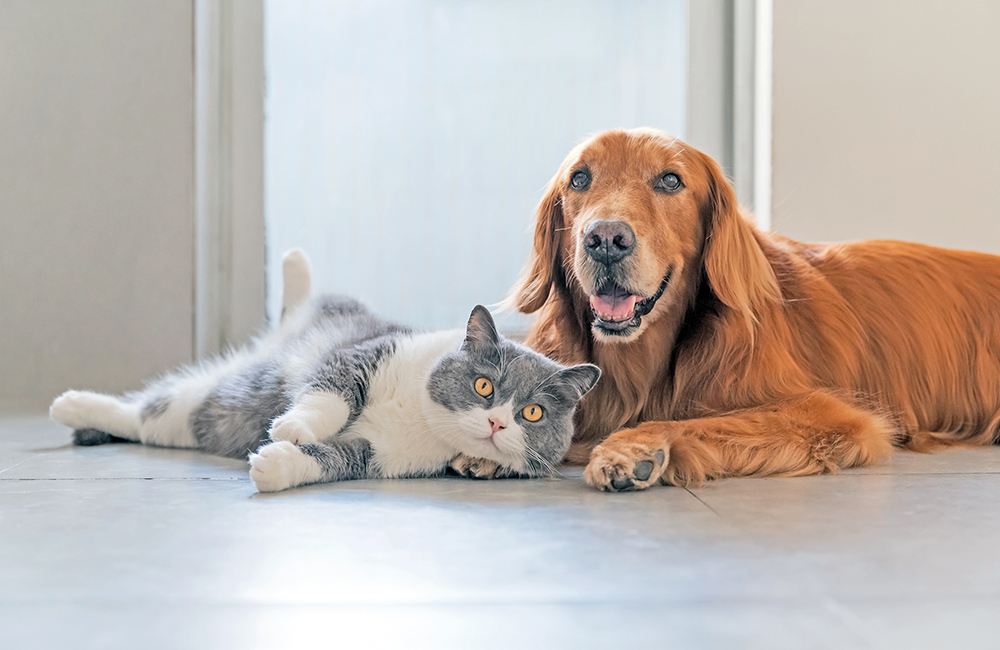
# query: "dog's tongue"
{"points": [[614, 305]]}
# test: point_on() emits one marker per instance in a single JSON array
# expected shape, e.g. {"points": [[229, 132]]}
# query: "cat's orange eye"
{"points": [[484, 386], [532, 412]]}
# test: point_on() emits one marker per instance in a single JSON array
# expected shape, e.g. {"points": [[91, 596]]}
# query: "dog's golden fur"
{"points": [[764, 356]]}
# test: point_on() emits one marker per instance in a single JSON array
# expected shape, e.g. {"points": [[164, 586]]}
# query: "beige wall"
{"points": [[96, 194], [887, 121]]}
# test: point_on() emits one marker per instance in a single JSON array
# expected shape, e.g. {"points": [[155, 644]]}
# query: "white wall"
{"points": [[96, 194], [887, 121]]}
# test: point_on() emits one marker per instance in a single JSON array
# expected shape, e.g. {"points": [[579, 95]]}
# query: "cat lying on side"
{"points": [[336, 393]]}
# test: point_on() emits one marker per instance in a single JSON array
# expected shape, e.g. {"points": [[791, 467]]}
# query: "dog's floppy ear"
{"points": [[737, 270], [542, 269]]}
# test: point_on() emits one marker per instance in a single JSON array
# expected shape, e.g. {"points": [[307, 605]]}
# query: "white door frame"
{"points": [[729, 93], [229, 291]]}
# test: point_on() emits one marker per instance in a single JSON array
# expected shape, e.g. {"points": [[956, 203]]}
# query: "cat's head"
{"points": [[502, 401]]}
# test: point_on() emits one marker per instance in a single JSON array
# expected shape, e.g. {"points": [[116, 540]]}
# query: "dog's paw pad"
{"points": [[621, 484], [643, 469], [622, 467]]}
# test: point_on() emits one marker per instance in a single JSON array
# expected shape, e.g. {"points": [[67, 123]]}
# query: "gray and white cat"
{"points": [[336, 393]]}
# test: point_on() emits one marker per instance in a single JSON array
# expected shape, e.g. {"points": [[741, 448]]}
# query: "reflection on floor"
{"points": [[131, 547]]}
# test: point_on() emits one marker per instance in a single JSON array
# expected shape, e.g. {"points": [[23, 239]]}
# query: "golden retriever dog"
{"points": [[728, 351]]}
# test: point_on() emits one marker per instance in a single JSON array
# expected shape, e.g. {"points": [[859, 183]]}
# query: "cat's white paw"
{"points": [[280, 465], [75, 408], [292, 428]]}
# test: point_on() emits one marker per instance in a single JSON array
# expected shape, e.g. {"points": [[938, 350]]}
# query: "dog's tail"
{"points": [[297, 275]]}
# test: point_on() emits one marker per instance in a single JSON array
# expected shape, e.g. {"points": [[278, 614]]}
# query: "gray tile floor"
{"points": [[131, 547]]}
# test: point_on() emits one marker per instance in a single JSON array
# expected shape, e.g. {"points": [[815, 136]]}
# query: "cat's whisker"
{"points": [[440, 431], [550, 466], [533, 453]]}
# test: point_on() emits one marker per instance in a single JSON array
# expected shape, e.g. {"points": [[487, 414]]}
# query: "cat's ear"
{"points": [[481, 333], [581, 378]]}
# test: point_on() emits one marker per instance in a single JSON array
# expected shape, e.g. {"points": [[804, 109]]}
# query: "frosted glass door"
{"points": [[407, 143]]}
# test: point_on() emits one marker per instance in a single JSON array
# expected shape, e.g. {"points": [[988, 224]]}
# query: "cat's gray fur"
{"points": [[335, 393]]}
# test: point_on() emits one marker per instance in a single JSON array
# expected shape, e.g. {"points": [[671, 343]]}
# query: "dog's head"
{"points": [[629, 222]]}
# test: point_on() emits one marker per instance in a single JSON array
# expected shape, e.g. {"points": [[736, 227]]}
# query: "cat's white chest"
{"points": [[394, 419]]}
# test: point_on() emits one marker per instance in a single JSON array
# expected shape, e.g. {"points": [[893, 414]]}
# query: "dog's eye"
{"points": [[580, 180], [669, 182]]}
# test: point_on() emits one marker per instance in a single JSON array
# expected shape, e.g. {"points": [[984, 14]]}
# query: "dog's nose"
{"points": [[608, 241]]}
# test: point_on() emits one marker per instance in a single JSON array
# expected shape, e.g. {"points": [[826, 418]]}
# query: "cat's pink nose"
{"points": [[497, 424]]}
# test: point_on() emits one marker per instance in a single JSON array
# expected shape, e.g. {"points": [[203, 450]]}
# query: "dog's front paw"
{"points": [[281, 465], [293, 428], [620, 463]]}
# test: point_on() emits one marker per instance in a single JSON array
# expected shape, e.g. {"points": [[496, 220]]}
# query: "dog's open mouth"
{"points": [[619, 311]]}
